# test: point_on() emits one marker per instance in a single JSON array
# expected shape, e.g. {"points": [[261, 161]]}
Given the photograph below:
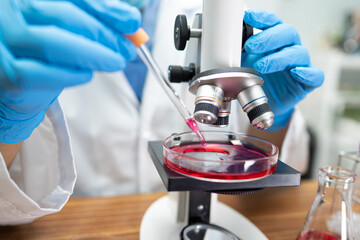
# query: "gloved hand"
{"points": [[283, 62], [46, 46]]}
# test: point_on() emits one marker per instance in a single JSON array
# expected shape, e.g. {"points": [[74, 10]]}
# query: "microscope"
{"points": [[213, 71]]}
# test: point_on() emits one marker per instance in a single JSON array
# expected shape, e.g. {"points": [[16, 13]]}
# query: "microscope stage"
{"points": [[284, 176]]}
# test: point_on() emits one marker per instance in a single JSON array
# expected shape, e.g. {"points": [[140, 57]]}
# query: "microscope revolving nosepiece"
{"points": [[215, 89]]}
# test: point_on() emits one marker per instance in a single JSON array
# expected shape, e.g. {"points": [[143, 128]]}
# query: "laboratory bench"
{"points": [[278, 212]]}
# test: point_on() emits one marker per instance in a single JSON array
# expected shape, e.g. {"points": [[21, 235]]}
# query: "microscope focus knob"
{"points": [[248, 31], [179, 74], [182, 32]]}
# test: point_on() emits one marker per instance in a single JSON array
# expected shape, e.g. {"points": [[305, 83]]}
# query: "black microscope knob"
{"points": [[248, 31], [181, 32], [179, 74]]}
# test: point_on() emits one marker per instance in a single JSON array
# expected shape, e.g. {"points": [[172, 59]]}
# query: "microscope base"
{"points": [[159, 222]]}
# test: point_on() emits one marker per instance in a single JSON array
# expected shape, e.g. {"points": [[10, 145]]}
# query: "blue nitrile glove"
{"points": [[46, 46], [283, 62]]}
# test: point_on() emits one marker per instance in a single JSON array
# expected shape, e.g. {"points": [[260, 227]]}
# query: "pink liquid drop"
{"points": [[319, 235], [193, 125], [222, 161]]}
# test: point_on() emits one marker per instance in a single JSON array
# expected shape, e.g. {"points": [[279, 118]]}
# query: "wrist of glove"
{"points": [[12, 131], [282, 61], [46, 46]]}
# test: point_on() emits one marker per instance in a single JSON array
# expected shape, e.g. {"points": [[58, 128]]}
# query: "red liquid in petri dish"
{"points": [[319, 235], [221, 161]]}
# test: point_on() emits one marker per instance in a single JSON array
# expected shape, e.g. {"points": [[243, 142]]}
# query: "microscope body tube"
{"points": [[220, 67], [221, 47], [221, 41]]}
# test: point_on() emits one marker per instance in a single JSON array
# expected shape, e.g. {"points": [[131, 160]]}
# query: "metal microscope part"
{"points": [[177, 74], [241, 83], [208, 101], [223, 115], [182, 32], [231, 79], [254, 102]]}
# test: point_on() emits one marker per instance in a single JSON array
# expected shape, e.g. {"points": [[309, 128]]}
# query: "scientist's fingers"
{"points": [[27, 74], [286, 58], [54, 45], [37, 75], [59, 47], [309, 77], [119, 15], [271, 39], [69, 17], [261, 19]]}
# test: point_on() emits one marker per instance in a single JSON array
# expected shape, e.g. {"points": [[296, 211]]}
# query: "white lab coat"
{"points": [[109, 132]]}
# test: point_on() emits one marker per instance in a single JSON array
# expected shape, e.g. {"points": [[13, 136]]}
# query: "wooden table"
{"points": [[278, 212]]}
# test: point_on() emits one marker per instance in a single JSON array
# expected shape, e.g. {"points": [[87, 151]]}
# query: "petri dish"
{"points": [[227, 156]]}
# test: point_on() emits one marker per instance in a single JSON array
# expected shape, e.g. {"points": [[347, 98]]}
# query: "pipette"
{"points": [[139, 39]]}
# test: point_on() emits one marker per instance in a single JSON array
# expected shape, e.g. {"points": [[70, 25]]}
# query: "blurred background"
{"points": [[331, 31]]}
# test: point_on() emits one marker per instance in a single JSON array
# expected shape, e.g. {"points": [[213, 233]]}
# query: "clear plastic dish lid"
{"points": [[227, 156]]}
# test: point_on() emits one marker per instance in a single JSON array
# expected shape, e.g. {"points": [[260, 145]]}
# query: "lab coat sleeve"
{"points": [[295, 147], [42, 177]]}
